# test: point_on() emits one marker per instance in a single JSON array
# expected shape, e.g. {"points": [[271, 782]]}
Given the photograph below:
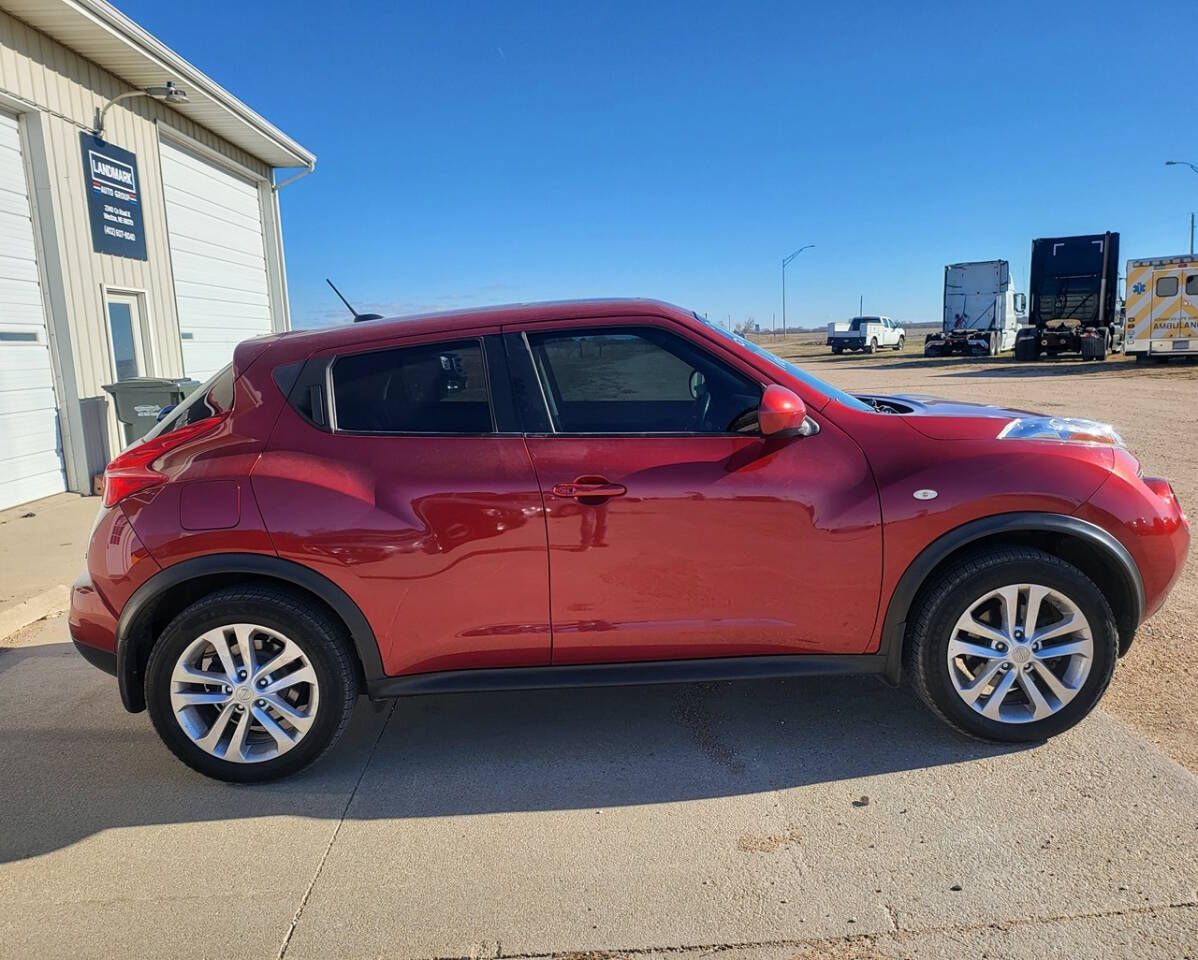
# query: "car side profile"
{"points": [[599, 492]]}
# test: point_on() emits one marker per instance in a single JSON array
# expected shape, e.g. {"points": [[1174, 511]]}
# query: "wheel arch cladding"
{"points": [[164, 595], [1087, 546]]}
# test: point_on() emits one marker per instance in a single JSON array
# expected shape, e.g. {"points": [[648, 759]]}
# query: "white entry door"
{"points": [[30, 444], [214, 227]]}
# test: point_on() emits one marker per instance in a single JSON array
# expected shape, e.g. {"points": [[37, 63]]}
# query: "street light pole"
{"points": [[785, 261], [1194, 167]]}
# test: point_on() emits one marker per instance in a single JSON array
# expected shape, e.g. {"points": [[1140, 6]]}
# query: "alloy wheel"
{"points": [[244, 693], [1020, 653]]}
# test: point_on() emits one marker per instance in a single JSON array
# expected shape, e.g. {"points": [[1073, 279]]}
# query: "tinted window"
{"points": [[212, 399], [640, 380], [433, 388], [1166, 286], [1192, 284]]}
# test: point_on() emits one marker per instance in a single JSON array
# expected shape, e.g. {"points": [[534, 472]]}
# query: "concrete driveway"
{"points": [[791, 819]]}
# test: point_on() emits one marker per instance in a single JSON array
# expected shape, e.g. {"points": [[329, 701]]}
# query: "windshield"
{"points": [[814, 382]]}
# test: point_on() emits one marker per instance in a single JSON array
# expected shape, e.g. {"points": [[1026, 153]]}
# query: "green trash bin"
{"points": [[140, 400]]}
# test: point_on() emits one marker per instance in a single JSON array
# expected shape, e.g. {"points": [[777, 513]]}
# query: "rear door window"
{"points": [[438, 388], [639, 380], [1166, 286]]}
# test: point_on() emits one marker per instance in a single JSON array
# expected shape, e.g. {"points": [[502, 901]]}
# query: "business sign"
{"points": [[113, 199]]}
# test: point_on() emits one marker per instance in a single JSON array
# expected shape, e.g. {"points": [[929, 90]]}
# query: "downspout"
{"points": [[274, 194]]}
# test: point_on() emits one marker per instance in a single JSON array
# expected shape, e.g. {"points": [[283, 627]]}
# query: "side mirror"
{"points": [[781, 413], [1020, 303]]}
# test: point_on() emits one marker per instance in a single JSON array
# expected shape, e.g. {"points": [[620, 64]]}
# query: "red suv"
{"points": [[595, 493]]}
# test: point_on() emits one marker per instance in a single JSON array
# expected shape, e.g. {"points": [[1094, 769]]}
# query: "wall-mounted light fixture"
{"points": [[168, 93]]}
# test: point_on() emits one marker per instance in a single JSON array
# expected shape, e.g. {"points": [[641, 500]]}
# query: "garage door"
{"points": [[30, 449], [214, 225]]}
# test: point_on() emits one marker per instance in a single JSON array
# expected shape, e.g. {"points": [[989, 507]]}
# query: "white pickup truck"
{"points": [[866, 333]]}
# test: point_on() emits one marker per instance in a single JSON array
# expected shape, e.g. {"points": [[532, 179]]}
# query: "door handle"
{"points": [[584, 488]]}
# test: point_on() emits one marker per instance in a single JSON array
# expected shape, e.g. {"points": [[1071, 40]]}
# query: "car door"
{"points": [[1167, 321], [675, 529], [1189, 308], [400, 473]]}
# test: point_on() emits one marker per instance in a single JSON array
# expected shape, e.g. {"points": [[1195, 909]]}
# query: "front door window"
{"points": [[639, 380]]}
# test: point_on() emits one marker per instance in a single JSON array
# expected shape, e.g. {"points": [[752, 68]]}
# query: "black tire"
{"points": [[902, 342], [1142, 357], [993, 346], [1094, 347], [873, 346], [837, 350], [325, 643], [936, 611], [1027, 349]]}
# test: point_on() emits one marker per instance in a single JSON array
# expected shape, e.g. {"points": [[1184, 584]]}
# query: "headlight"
{"points": [[1060, 428]]}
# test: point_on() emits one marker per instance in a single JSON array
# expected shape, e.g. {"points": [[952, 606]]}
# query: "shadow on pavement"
{"points": [[74, 763]]}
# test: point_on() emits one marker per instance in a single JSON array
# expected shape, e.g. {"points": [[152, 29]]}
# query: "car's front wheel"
{"points": [[1012, 644], [251, 684]]}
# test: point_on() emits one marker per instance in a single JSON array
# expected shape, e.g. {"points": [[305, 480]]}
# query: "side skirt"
{"points": [[627, 674]]}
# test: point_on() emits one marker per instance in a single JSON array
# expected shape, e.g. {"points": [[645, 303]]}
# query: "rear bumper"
{"points": [[849, 343], [102, 659], [92, 625], [955, 343]]}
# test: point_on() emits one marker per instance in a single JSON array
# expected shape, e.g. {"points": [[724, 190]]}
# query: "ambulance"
{"points": [[1162, 307]]}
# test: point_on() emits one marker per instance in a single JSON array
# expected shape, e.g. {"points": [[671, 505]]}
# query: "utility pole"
{"points": [[785, 261], [860, 304], [1194, 167]]}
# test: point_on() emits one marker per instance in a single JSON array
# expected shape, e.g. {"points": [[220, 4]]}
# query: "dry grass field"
{"points": [[1155, 408]]}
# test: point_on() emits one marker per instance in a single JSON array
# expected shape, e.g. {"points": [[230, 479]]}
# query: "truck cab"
{"points": [[1073, 298], [982, 311]]}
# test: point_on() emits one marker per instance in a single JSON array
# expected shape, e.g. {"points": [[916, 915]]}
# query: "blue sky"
{"points": [[475, 153]]}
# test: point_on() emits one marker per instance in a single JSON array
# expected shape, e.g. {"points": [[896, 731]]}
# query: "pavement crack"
{"points": [[897, 935], [299, 910]]}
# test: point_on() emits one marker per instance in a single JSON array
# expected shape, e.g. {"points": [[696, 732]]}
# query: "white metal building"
{"points": [[149, 250]]}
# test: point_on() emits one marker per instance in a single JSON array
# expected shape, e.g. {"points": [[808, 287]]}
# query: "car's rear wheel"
{"points": [[251, 684], [873, 345], [1012, 644]]}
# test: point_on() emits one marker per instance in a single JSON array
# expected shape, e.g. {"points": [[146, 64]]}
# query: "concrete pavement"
{"points": [[41, 552], [826, 818]]}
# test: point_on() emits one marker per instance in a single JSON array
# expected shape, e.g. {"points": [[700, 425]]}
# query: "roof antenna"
{"points": [[358, 317]]}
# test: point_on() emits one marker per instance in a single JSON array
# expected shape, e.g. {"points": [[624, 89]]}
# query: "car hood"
{"points": [[943, 419]]}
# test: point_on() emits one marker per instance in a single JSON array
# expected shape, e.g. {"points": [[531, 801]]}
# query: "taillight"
{"points": [[133, 470]]}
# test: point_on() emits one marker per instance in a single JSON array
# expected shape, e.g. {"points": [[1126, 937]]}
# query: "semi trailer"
{"points": [[982, 311], [1073, 293]]}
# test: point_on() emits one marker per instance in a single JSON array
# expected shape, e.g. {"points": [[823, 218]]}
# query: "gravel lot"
{"points": [[1155, 409]]}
